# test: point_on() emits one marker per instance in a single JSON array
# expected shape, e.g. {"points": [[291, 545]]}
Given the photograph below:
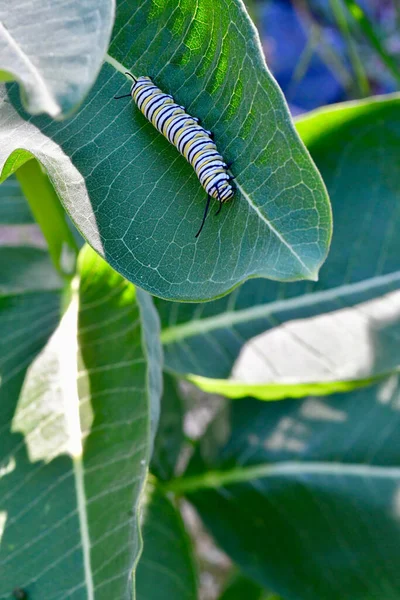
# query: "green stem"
{"points": [[216, 479], [50, 216], [358, 69], [295, 469]]}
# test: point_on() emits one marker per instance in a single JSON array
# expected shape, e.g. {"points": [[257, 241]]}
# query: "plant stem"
{"points": [[50, 216]]}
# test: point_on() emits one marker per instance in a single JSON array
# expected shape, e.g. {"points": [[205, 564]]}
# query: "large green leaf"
{"points": [[138, 202], [54, 49], [166, 568], [29, 314], [304, 495], [76, 441], [248, 334]]}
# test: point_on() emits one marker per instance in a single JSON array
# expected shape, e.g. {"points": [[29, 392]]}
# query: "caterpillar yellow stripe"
{"points": [[186, 134]]}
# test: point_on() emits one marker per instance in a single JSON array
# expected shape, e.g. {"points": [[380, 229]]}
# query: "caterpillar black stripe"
{"points": [[186, 134]]}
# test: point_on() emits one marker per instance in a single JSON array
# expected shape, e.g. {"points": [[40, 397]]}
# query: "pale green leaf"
{"points": [[54, 49]]}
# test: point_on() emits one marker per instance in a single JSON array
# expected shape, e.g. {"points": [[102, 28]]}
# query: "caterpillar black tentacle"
{"points": [[183, 131], [204, 216]]}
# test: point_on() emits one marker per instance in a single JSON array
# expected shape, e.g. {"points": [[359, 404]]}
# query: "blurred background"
{"points": [[327, 51]]}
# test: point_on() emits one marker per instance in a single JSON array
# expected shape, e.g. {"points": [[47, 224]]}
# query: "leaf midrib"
{"points": [[69, 386], [274, 231], [192, 328], [217, 479]]}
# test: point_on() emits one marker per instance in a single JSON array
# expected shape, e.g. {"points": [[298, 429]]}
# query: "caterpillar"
{"points": [[185, 132]]}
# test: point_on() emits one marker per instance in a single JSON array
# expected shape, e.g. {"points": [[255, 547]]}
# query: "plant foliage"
{"points": [[97, 449]]}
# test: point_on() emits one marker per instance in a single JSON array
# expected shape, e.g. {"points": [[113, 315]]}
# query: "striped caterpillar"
{"points": [[184, 131]]}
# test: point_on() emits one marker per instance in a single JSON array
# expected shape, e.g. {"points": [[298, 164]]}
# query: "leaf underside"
{"points": [[54, 50]]}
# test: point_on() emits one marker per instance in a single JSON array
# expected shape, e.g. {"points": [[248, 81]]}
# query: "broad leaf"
{"points": [[138, 202], [170, 436], [304, 495], [76, 445], [54, 49], [166, 568], [14, 209], [240, 587], [267, 336]]}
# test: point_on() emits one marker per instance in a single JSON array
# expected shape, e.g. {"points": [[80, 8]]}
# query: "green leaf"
{"points": [[76, 445], [14, 209], [170, 436], [230, 388], [139, 203], [50, 216], [265, 335], [304, 496], [241, 587], [29, 314], [166, 568], [54, 49]]}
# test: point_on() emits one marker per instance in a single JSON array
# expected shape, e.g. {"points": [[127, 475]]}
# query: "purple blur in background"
{"points": [[307, 79]]}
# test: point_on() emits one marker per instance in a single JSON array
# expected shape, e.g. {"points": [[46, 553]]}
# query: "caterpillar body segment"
{"points": [[188, 136]]}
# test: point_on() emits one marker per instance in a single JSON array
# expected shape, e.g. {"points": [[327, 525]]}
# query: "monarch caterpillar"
{"points": [[183, 131]]}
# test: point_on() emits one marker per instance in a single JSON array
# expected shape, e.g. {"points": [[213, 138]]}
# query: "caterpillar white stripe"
{"points": [[186, 134]]}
